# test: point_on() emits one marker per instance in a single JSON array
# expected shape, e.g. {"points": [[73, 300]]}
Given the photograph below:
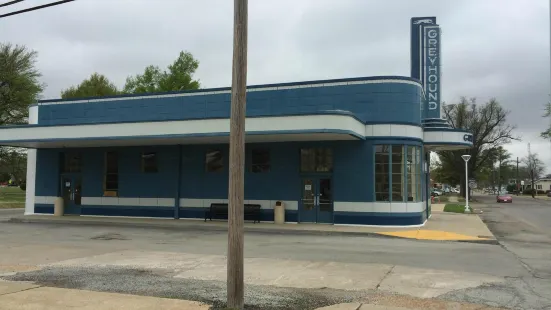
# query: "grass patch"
{"points": [[12, 197], [455, 208]]}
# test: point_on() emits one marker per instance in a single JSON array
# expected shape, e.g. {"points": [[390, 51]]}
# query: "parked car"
{"points": [[548, 194], [504, 197], [436, 192]]}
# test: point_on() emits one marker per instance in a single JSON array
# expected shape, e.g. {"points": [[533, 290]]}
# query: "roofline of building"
{"points": [[390, 77]]}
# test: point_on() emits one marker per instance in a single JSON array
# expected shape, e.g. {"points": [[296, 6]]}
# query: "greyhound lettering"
{"points": [[423, 21]]}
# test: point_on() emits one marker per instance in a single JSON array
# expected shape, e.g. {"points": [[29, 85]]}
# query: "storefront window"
{"points": [[260, 160], [403, 163], [419, 164], [316, 160], [149, 162], [413, 171], [111, 181], [214, 161], [398, 174], [70, 162], [382, 168]]}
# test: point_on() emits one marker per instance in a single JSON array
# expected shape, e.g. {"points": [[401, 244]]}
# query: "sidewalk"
{"points": [[20, 295], [441, 226]]}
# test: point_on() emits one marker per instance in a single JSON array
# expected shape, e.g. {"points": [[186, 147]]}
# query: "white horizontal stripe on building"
{"points": [[339, 206], [394, 130], [127, 201], [264, 204], [325, 127], [379, 207], [446, 140]]}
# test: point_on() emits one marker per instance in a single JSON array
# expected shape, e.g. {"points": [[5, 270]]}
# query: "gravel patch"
{"points": [[160, 283], [516, 293]]}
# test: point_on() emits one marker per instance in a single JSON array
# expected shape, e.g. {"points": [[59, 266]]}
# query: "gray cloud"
{"points": [[491, 48]]}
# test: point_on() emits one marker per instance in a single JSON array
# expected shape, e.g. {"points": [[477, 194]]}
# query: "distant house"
{"points": [[543, 184]]}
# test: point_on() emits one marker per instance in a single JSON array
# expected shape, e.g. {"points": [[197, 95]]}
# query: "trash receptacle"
{"points": [[58, 206], [279, 213]]}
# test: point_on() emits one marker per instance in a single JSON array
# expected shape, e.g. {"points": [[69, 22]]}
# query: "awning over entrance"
{"points": [[258, 129]]}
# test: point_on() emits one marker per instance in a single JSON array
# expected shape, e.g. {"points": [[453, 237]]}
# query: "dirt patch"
{"points": [[110, 236], [17, 268]]}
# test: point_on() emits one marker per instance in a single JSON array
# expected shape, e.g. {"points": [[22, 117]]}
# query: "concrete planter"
{"points": [[58, 206], [279, 213]]}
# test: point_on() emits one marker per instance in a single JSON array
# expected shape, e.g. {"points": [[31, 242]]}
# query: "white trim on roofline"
{"points": [[216, 92]]}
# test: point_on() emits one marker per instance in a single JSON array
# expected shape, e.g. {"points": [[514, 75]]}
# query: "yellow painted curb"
{"points": [[430, 235]]}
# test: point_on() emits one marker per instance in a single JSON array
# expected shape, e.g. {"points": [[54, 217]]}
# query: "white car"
{"points": [[436, 192]]}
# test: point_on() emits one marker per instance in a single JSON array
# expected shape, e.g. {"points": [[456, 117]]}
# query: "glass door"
{"points": [[71, 191], [325, 201], [308, 202], [317, 200]]}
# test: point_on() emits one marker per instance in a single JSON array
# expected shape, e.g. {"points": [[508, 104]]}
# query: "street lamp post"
{"points": [[466, 159]]}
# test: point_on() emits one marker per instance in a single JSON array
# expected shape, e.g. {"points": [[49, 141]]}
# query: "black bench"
{"points": [[220, 211]]}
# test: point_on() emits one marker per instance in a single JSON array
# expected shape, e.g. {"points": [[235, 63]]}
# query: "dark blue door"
{"points": [[71, 191], [325, 200], [317, 200]]}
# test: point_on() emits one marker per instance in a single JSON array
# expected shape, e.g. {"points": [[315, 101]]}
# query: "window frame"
{"points": [[110, 192], [328, 159], [206, 162], [403, 175], [65, 165], [265, 167], [388, 174], [155, 167], [416, 171]]}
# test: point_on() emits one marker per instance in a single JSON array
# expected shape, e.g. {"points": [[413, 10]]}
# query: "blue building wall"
{"points": [[352, 177], [390, 102]]}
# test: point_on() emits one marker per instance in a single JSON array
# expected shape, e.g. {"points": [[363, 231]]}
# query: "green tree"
{"points": [[19, 88], [178, 76], [13, 163], [535, 169], [489, 127], [500, 159], [19, 83], [547, 133], [97, 85]]}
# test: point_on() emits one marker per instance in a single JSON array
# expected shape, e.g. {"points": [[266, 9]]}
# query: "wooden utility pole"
{"points": [[518, 181], [236, 191]]}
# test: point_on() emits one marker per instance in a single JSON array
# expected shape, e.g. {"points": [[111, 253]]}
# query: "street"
{"points": [[310, 270], [524, 229]]}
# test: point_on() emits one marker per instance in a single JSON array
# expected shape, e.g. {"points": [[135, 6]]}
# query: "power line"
{"points": [[10, 3], [35, 8]]}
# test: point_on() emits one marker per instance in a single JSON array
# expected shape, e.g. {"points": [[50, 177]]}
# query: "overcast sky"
{"points": [[491, 48]]}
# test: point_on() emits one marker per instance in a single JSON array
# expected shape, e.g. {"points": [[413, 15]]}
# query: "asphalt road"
{"points": [[522, 259], [524, 229]]}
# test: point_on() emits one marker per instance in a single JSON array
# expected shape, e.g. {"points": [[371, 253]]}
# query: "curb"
{"points": [[164, 226], [205, 228]]}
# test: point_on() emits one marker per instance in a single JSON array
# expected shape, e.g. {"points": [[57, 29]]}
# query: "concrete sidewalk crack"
{"points": [[386, 275], [27, 289]]}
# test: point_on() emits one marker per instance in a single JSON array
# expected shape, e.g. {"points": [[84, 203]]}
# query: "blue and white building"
{"points": [[345, 151]]}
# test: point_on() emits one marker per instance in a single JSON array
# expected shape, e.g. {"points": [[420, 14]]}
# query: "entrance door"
{"points": [[317, 200], [71, 191]]}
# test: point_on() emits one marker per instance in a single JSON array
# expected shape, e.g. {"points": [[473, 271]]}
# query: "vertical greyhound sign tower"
{"points": [[425, 66]]}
